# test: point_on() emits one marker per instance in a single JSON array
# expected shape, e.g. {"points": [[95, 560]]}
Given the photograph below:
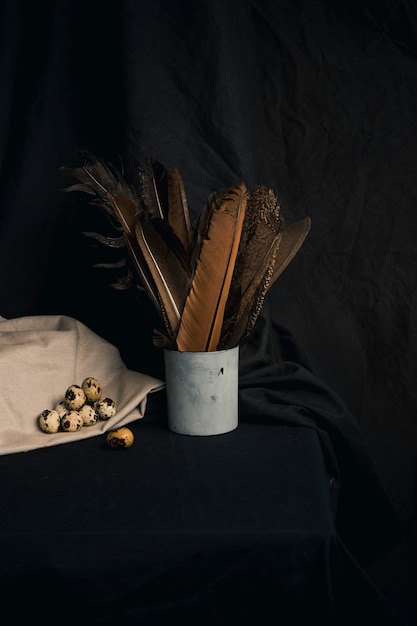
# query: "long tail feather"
{"points": [[163, 197], [178, 214], [286, 247], [201, 227], [207, 282], [261, 235], [153, 188], [126, 214], [171, 279], [247, 308], [293, 238], [203, 313], [100, 179], [114, 195]]}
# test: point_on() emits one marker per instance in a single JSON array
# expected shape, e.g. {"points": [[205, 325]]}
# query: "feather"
{"points": [[161, 339], [145, 275], [262, 231], [247, 309], [110, 242], [122, 202], [115, 265], [170, 239], [208, 282], [203, 313], [163, 196], [200, 228], [262, 259], [122, 284], [286, 247], [171, 279], [101, 180], [293, 238], [178, 214], [153, 189], [128, 218]]}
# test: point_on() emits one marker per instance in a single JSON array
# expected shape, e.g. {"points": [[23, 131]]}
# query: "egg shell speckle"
{"points": [[92, 389], [49, 421], [72, 422], [89, 415], [120, 438], [74, 397], [106, 408], [62, 408]]}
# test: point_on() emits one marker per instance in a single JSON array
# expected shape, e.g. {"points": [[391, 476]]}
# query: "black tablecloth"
{"points": [[274, 521], [316, 100]]}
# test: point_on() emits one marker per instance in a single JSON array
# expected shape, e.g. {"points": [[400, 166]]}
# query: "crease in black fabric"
{"points": [[287, 393]]}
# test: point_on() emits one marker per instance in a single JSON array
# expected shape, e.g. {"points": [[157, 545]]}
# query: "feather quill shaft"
{"points": [[248, 303], [100, 179], [126, 214], [260, 238], [126, 211], [208, 282], [286, 246], [203, 313], [163, 196], [144, 274], [171, 279]]}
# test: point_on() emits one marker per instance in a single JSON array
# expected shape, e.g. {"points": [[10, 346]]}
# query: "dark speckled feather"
{"points": [[207, 283], [261, 235]]}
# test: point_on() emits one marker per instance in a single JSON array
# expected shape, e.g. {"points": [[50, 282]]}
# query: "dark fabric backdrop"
{"points": [[315, 98]]}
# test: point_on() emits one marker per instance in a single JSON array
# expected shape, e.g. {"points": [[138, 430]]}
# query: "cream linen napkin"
{"points": [[40, 357]]}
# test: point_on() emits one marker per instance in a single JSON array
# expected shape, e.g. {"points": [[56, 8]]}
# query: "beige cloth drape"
{"points": [[40, 356]]}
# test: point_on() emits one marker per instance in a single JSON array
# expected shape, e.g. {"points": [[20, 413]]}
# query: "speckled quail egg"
{"points": [[92, 389], [72, 422], [106, 408], [88, 414], [74, 397], [62, 408], [49, 421], [120, 438]]}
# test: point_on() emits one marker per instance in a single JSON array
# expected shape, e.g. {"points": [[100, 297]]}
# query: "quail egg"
{"points": [[49, 421], [72, 422], [62, 408], [74, 397], [106, 408], [120, 438], [92, 389], [88, 414]]}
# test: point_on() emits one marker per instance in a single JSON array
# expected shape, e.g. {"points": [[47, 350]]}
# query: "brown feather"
{"points": [[170, 238], [203, 313], [207, 283], [153, 189], [290, 241], [293, 237], [247, 310], [125, 211], [178, 215], [163, 196], [126, 214], [99, 179], [288, 244], [171, 279], [113, 194], [201, 227], [260, 239]]}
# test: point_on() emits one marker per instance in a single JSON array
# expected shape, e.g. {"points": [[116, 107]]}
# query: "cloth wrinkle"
{"points": [[40, 357]]}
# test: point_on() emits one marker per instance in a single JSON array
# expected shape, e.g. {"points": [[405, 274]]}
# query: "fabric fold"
{"points": [[40, 357]]}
